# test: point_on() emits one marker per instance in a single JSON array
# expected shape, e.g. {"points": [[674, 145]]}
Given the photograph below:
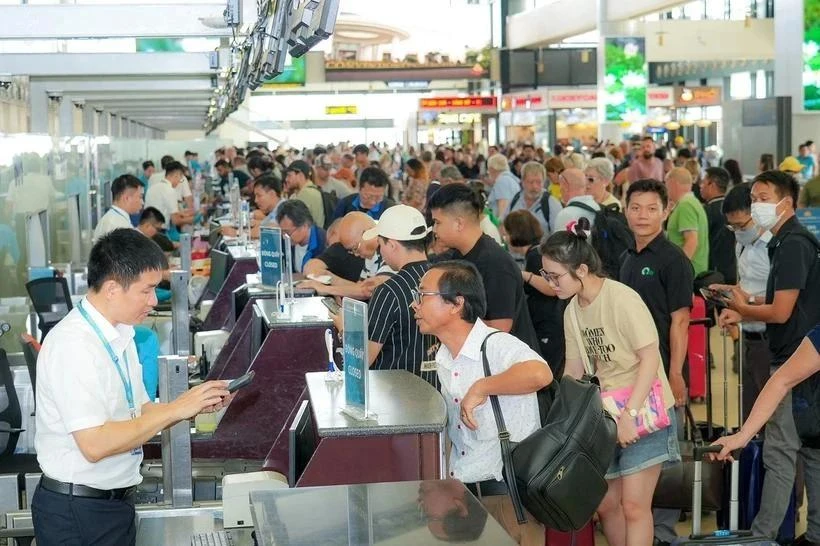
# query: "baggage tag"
{"points": [[428, 366]]}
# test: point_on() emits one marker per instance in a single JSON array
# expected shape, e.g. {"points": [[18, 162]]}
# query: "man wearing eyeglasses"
{"points": [[449, 303], [573, 184], [372, 197], [309, 240]]}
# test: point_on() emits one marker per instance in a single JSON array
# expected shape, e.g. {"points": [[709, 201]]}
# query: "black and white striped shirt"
{"points": [[391, 323]]}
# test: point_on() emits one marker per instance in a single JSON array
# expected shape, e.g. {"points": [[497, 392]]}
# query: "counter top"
{"points": [[403, 404], [240, 252], [398, 514], [303, 312]]}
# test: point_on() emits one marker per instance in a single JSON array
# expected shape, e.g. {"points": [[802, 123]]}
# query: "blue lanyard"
{"points": [[121, 214], [125, 377]]}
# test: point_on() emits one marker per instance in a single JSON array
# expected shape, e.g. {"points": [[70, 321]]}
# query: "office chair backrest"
{"points": [[31, 348], [50, 295], [10, 415]]}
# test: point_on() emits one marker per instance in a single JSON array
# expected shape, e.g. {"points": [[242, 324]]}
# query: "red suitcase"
{"points": [[584, 537], [698, 350]]}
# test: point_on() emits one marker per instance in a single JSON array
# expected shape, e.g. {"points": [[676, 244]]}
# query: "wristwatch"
{"points": [[632, 412]]}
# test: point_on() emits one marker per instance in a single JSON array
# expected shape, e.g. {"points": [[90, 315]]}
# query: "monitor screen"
{"points": [[219, 270], [240, 299], [301, 443], [37, 238]]}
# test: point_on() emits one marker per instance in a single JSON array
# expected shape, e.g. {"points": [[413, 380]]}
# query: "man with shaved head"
{"points": [[688, 226], [573, 184], [351, 247]]}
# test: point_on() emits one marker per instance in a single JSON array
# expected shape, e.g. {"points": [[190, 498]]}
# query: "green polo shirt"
{"points": [[689, 215]]}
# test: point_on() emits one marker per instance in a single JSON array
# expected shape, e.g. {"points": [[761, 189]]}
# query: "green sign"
{"points": [[625, 79], [811, 54], [176, 45], [294, 73]]}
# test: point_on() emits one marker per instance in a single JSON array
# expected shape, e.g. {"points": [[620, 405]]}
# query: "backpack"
{"points": [[544, 206], [329, 202], [569, 454], [611, 236]]}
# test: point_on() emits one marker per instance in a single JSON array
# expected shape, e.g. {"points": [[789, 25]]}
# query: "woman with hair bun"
{"points": [[620, 347]]}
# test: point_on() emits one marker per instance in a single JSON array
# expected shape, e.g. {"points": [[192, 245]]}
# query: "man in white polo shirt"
{"points": [[448, 303], [93, 413], [163, 196], [126, 197]]}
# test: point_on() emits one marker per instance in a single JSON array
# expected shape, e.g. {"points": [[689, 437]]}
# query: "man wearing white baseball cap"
{"points": [[395, 341]]}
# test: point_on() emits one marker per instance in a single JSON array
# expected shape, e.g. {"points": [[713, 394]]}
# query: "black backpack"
{"points": [[611, 236], [567, 456], [544, 206], [329, 202]]}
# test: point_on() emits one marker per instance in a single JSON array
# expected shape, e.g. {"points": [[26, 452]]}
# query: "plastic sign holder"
{"points": [[270, 256], [356, 360]]}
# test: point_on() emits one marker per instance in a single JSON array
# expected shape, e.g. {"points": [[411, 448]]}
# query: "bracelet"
{"points": [[529, 279]]}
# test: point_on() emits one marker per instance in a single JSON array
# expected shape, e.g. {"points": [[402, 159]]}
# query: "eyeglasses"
{"points": [[419, 294], [734, 229], [551, 278]]}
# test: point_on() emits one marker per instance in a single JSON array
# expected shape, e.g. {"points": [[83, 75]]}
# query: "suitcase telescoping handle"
{"points": [[697, 491]]}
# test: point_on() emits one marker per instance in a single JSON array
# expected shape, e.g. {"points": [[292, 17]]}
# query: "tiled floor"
{"points": [[719, 395]]}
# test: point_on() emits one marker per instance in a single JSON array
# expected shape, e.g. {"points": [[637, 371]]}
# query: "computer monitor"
{"points": [[74, 228], [239, 299], [258, 332], [301, 443], [38, 243], [219, 271]]}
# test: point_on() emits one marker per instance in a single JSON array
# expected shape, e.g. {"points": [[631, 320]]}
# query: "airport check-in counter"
{"points": [[403, 443], [280, 349]]}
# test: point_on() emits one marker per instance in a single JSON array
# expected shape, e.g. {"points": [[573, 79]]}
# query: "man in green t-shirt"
{"points": [[688, 226]]}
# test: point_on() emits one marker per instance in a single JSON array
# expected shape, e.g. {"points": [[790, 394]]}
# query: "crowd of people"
{"points": [[587, 260]]}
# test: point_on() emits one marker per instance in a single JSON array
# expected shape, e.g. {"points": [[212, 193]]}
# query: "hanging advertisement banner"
{"points": [[625, 79], [811, 54]]}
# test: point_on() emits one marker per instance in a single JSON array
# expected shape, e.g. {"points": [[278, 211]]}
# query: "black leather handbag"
{"points": [[674, 489], [569, 454]]}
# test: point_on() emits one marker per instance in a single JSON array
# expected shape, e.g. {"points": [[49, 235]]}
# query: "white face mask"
{"points": [[747, 236], [765, 214]]}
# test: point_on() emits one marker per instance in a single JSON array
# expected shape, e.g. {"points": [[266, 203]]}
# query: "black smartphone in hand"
{"points": [[240, 382]]}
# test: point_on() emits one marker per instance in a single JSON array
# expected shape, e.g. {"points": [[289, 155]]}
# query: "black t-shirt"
{"points": [[342, 263], [794, 254], [504, 287], [391, 322], [721, 242], [663, 276], [546, 313]]}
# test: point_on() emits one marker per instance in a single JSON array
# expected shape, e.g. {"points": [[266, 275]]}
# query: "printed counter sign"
{"points": [[354, 313], [625, 79], [270, 255]]}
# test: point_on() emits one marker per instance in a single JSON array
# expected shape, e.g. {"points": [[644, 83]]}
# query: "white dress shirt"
{"points": [[163, 197], [78, 388], [753, 269], [476, 455], [115, 218]]}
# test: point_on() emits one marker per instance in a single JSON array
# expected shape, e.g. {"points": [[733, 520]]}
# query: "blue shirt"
{"points": [[808, 166], [316, 245], [814, 337]]}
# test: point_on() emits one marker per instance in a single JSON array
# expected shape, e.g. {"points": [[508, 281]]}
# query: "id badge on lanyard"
{"points": [[124, 377]]}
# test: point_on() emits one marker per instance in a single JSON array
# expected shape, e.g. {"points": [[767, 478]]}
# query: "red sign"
{"points": [[458, 103]]}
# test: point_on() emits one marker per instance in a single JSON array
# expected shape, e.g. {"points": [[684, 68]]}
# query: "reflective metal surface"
{"points": [[298, 312], [171, 526], [176, 440], [398, 514]]}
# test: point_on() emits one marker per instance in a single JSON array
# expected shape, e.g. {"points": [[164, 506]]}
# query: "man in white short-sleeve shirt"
{"points": [[163, 196], [126, 197], [449, 301], [93, 414]]}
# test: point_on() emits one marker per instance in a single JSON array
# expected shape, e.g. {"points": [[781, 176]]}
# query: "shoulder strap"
{"points": [[504, 438], [582, 206], [580, 341], [514, 200], [545, 208]]}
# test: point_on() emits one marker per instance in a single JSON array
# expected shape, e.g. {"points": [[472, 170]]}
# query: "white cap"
{"points": [[400, 223]]}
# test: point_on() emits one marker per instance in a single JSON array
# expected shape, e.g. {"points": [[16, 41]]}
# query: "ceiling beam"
{"points": [[156, 65], [72, 21], [123, 84]]}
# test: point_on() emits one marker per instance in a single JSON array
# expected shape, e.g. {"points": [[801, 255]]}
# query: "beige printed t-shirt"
{"points": [[614, 327]]}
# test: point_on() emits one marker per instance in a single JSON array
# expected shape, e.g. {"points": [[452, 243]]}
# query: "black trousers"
{"points": [[756, 370], [76, 521]]}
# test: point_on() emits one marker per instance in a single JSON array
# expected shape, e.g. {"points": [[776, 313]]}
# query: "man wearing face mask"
{"points": [[753, 271], [790, 308]]}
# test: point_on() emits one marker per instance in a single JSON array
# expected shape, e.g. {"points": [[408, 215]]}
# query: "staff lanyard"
{"points": [[117, 211], [124, 377]]}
